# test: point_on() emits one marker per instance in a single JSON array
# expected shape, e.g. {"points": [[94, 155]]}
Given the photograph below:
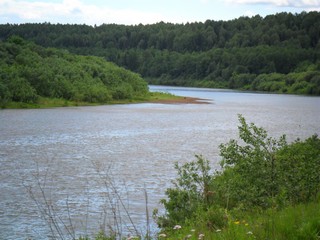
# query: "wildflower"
{"points": [[237, 222], [177, 227], [193, 230], [247, 224], [218, 230], [249, 233], [162, 235], [189, 236], [132, 237], [201, 236]]}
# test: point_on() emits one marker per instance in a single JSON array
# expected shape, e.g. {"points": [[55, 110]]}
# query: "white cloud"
{"points": [[74, 11], [275, 2], [282, 3], [249, 13], [88, 12]]}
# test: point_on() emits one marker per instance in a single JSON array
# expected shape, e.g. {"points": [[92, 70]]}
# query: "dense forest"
{"points": [[279, 53], [29, 72]]}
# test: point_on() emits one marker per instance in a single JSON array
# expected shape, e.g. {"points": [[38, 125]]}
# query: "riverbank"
{"points": [[167, 98], [153, 97], [182, 100]]}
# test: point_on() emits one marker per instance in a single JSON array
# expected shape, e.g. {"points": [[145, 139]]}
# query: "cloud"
{"points": [[73, 11], [249, 13], [281, 3]]}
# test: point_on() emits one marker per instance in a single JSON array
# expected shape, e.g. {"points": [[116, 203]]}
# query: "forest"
{"points": [[276, 53], [29, 72]]}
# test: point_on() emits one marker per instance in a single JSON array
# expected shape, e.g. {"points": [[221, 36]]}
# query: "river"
{"points": [[83, 165]]}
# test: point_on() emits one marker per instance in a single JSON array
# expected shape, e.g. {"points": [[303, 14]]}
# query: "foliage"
{"points": [[259, 174], [265, 172], [29, 71], [293, 222], [250, 176], [283, 48], [190, 193], [299, 167]]}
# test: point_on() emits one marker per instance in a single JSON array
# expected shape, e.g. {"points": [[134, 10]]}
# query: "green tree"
{"points": [[29, 71], [190, 192], [299, 164], [257, 172], [252, 164], [195, 54], [21, 90], [5, 95]]}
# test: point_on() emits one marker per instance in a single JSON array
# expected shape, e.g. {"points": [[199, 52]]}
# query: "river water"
{"points": [[83, 165]]}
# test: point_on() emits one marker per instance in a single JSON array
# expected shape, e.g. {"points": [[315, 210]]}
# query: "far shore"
{"points": [[181, 100], [155, 97]]}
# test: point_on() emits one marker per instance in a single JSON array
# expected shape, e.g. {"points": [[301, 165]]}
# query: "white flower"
{"points": [[218, 230], [189, 236], [176, 227], [201, 236], [249, 233], [162, 235], [132, 237]]}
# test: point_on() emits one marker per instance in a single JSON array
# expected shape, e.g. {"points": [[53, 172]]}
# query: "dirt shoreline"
{"points": [[182, 100]]}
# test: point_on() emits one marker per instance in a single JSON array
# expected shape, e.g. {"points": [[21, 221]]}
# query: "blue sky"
{"points": [[131, 12]]}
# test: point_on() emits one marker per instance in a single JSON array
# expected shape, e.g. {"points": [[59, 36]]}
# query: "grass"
{"points": [[155, 96], [58, 102], [46, 103], [295, 222], [300, 222]]}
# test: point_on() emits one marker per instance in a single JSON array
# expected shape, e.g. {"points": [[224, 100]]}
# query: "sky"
{"points": [[133, 12]]}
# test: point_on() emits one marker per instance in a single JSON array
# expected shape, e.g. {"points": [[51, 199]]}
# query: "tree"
{"points": [[5, 95], [253, 166], [29, 71], [190, 193], [257, 172], [274, 44], [299, 164]]}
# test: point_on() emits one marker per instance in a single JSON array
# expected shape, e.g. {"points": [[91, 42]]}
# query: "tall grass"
{"points": [[300, 222]]}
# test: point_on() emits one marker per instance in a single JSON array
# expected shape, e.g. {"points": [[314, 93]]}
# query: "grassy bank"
{"points": [[58, 102], [267, 188], [294, 222], [299, 222]]}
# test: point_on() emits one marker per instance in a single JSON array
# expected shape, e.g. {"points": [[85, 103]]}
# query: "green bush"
{"points": [[265, 172], [191, 192], [250, 167], [298, 170], [257, 173], [29, 71], [5, 95]]}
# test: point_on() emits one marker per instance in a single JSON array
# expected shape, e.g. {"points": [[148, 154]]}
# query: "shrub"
{"points": [[257, 173], [191, 192], [299, 165], [249, 170], [265, 172]]}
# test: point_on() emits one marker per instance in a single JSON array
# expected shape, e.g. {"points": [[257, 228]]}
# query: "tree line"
{"points": [[278, 53], [29, 71]]}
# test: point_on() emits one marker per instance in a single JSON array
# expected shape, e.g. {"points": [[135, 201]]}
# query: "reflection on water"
{"points": [[136, 145]]}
